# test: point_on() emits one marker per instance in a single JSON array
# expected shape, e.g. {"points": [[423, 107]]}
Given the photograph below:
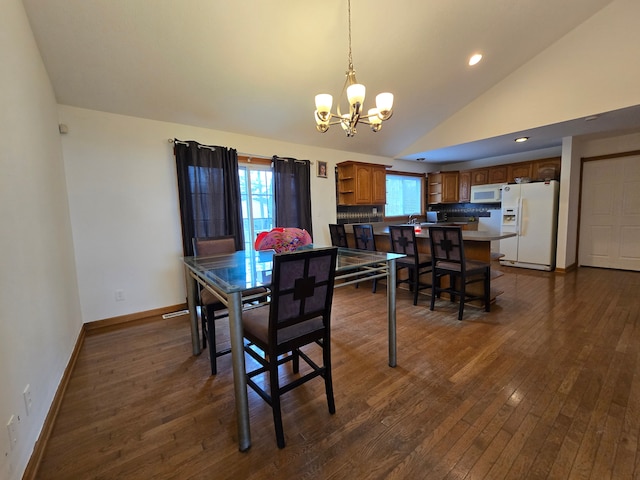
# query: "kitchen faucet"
{"points": [[413, 218]]}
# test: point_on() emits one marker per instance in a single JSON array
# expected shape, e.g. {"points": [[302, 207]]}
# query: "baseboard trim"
{"points": [[33, 465], [38, 449], [132, 317], [570, 268]]}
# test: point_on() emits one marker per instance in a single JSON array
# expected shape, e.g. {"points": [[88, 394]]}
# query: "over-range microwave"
{"points": [[487, 193]]}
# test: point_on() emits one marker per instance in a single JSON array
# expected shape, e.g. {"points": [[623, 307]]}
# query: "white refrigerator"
{"points": [[530, 210]]}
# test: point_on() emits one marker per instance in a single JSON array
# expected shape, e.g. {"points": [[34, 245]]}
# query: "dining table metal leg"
{"points": [[191, 286], [239, 378], [391, 310]]}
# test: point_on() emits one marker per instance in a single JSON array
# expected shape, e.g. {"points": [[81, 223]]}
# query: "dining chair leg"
{"points": [[487, 291], [435, 284], [295, 362], [211, 333], [462, 298], [328, 378], [275, 401]]}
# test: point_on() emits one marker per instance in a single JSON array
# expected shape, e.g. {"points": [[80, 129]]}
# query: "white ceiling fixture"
{"points": [[475, 59], [355, 93]]}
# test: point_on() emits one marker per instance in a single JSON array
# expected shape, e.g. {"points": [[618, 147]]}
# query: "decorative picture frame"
{"points": [[322, 170]]}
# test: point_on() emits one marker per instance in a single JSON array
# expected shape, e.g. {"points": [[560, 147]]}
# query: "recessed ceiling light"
{"points": [[521, 139], [475, 58]]}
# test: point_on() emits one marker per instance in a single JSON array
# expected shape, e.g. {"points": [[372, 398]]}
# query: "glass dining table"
{"points": [[229, 277]]}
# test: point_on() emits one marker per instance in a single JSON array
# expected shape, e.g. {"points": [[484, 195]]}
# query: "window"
{"points": [[404, 195], [256, 194]]}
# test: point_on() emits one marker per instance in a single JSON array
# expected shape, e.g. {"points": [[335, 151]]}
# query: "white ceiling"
{"points": [[254, 67]]}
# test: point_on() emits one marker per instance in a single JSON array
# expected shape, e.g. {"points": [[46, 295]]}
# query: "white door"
{"points": [[610, 214]]}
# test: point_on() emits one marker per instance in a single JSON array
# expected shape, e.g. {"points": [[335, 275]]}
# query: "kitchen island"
{"points": [[477, 244]]}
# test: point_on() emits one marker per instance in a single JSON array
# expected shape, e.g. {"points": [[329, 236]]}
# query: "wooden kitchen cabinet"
{"points": [[361, 184], [546, 169], [443, 187], [522, 169], [479, 176], [379, 187], [464, 193], [498, 174]]}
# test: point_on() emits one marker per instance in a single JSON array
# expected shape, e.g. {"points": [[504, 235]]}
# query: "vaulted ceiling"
{"points": [[254, 67]]}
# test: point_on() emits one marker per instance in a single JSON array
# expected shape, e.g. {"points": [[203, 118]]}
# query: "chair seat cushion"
{"points": [[424, 259], [472, 266], [255, 322]]}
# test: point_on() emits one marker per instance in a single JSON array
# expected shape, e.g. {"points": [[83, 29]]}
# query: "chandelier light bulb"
{"points": [[355, 94], [323, 106], [384, 103]]}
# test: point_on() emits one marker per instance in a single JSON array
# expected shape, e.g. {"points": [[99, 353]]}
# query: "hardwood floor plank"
{"points": [[546, 385]]}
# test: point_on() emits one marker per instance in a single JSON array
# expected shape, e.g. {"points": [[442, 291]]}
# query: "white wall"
{"points": [[611, 145], [124, 207], [39, 307]]}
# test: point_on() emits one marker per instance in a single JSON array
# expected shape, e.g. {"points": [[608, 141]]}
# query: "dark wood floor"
{"points": [[547, 385]]}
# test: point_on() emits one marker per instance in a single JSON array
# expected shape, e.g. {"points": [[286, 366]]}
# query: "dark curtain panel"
{"points": [[209, 191], [292, 193]]}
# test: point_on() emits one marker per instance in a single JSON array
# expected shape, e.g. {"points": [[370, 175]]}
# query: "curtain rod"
{"points": [[295, 160], [208, 147], [172, 140]]}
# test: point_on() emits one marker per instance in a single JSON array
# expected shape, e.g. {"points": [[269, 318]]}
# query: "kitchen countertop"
{"points": [[468, 235]]}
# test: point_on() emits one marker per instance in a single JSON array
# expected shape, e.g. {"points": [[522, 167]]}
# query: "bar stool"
{"points": [[403, 240], [365, 241], [447, 252]]}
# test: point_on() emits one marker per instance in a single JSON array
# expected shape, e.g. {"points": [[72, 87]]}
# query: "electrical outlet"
{"points": [[13, 431], [27, 399], [120, 295]]}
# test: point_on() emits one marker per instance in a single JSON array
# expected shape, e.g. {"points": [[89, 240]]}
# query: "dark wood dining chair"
{"points": [[211, 309], [338, 235], [447, 252], [403, 240], [299, 314], [365, 240]]}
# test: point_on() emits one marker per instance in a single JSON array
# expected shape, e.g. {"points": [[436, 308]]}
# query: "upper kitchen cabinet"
{"points": [[379, 186], [443, 187], [361, 184], [464, 179], [546, 169], [498, 174], [518, 170], [479, 176]]}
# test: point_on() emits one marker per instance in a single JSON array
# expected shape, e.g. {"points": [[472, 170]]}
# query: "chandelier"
{"points": [[355, 95]]}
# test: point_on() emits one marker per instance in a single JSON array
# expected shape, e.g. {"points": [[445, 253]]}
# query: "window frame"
{"points": [[263, 164], [423, 202]]}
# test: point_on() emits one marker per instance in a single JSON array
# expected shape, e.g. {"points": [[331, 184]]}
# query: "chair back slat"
{"points": [[364, 237], [338, 235], [446, 244], [302, 288], [403, 240], [209, 246]]}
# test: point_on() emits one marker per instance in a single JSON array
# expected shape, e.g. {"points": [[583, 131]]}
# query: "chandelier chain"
{"points": [[350, 57]]}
